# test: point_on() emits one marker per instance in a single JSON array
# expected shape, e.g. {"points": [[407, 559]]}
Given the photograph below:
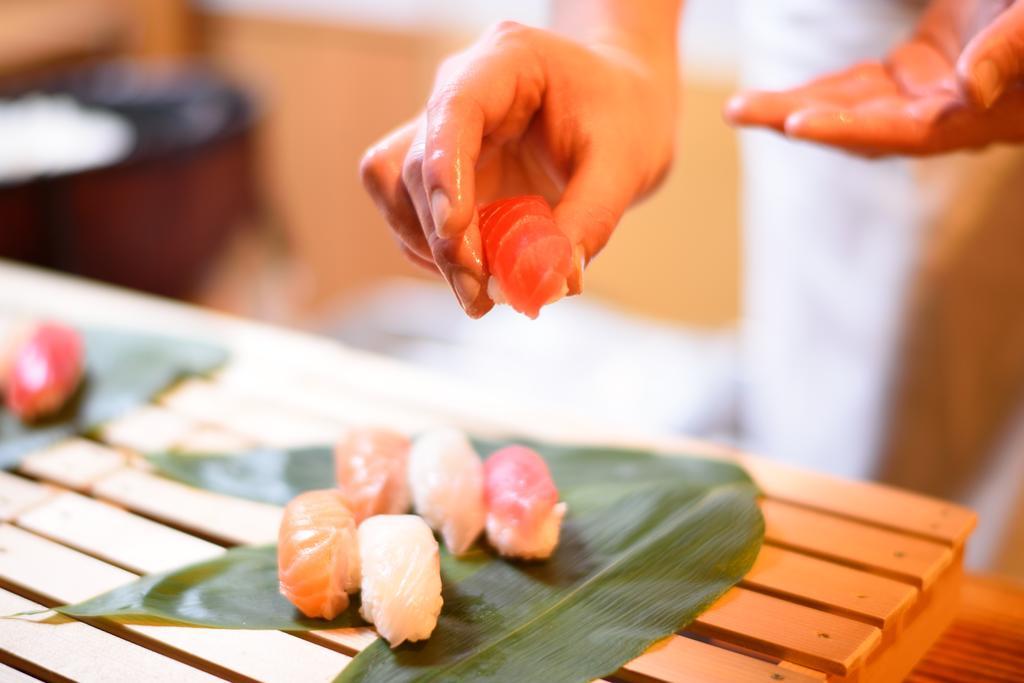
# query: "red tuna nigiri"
{"points": [[318, 553], [528, 256], [524, 516], [45, 369]]}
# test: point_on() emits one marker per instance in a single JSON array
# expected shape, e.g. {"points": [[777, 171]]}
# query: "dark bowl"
{"points": [[157, 219]]}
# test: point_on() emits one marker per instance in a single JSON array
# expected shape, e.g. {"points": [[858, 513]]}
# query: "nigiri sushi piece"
{"points": [[446, 478], [371, 468], [12, 336], [401, 584], [45, 368], [317, 553], [528, 257], [524, 516]]}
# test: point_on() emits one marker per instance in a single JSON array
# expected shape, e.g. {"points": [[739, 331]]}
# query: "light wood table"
{"points": [[854, 583]]}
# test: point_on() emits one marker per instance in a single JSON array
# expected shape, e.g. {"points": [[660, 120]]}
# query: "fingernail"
{"points": [[987, 82], [466, 286], [440, 207]]}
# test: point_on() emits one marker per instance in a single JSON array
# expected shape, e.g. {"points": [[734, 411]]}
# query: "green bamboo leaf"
{"points": [[649, 543], [122, 371], [235, 590], [266, 475]]}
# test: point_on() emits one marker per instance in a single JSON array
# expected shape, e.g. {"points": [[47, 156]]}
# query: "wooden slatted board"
{"points": [[854, 582]]}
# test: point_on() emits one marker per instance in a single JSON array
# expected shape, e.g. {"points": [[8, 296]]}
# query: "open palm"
{"points": [[955, 84]]}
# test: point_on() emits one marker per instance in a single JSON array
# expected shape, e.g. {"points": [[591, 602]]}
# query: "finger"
{"points": [[590, 209], [381, 172], [417, 260], [495, 94], [771, 108], [994, 59], [921, 69], [458, 258]]}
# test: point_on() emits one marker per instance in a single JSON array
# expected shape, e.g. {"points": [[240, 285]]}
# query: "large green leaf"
{"points": [[237, 589], [122, 370], [649, 542]]}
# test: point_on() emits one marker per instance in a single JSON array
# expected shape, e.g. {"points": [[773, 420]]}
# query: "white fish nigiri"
{"points": [[524, 517], [370, 466], [446, 477], [401, 584]]}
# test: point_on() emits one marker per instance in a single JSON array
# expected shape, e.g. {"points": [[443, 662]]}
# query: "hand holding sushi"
{"points": [[584, 121]]}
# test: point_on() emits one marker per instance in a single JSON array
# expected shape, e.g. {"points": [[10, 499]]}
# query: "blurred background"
{"points": [[208, 151], [239, 189]]}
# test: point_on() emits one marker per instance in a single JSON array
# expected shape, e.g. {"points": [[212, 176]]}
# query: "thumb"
{"points": [[589, 211], [994, 59]]}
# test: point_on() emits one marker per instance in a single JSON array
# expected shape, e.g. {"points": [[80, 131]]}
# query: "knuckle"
{"points": [[436, 162], [412, 169], [372, 168], [507, 28]]}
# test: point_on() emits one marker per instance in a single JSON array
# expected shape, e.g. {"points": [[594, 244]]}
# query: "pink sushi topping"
{"points": [[45, 370], [371, 468], [518, 485]]}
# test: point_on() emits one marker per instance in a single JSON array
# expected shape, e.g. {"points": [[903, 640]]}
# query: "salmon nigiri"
{"points": [[370, 465], [524, 516], [401, 577], [44, 367], [317, 553], [528, 256], [447, 482]]}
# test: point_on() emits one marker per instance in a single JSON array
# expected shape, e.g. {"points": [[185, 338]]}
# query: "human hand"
{"points": [[955, 84], [523, 111]]}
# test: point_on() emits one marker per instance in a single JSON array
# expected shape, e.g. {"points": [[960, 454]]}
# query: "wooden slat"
{"points": [[210, 514], [799, 634], [320, 397], [61, 575], [258, 420], [75, 463], [882, 505], [148, 429], [18, 494], [115, 535], [684, 660], [55, 645], [212, 439], [877, 600], [905, 558]]}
